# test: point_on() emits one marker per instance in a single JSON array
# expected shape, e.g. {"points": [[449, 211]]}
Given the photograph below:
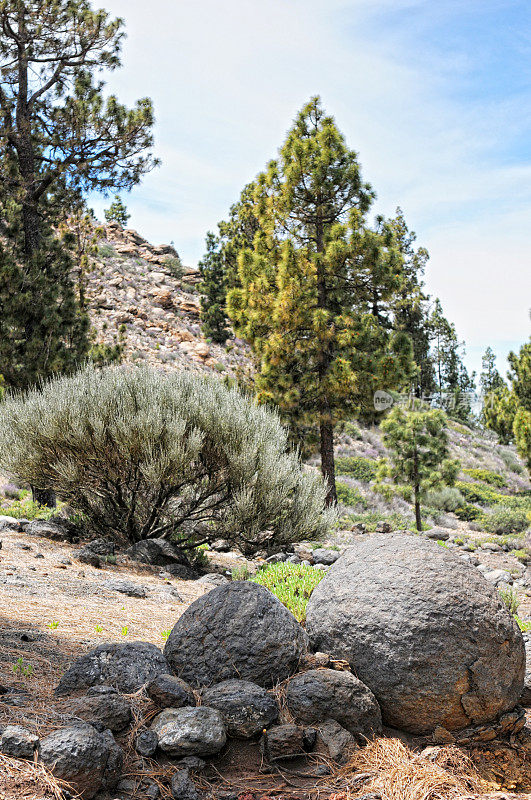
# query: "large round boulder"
{"points": [[240, 631], [423, 630], [324, 694]]}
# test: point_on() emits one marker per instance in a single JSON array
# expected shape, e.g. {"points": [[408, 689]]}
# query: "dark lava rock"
{"points": [[108, 710], [190, 731], [94, 552], [239, 630], [125, 587], [47, 529], [284, 741], [167, 691], [146, 743], [246, 707], [18, 742], [87, 760], [157, 552], [423, 630], [183, 787], [322, 694], [125, 666], [338, 741]]}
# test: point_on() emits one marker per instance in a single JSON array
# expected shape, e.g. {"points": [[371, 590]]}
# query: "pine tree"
{"points": [[42, 332], [418, 452], [213, 288], [59, 135], [117, 212], [499, 412], [520, 376], [313, 293], [410, 307], [490, 379]]}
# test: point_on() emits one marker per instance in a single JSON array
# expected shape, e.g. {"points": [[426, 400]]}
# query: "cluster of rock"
{"points": [[424, 643], [139, 295]]}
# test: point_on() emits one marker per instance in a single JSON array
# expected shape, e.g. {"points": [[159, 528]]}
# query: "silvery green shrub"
{"points": [[143, 454]]}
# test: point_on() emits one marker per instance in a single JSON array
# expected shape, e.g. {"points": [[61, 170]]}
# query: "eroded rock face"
{"points": [[423, 630], [246, 707], [190, 731], [236, 631], [323, 694], [87, 760], [127, 667]]}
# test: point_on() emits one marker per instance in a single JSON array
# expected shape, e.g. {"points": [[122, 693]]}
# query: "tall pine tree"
{"points": [[315, 289]]}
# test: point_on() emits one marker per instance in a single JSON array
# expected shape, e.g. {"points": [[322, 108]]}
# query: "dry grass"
{"points": [[25, 780], [397, 773]]}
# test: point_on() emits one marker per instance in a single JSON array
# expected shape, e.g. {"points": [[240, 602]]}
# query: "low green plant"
{"points": [[22, 669], [487, 476], [363, 469], [505, 521], [106, 251], [371, 520], [292, 584], [27, 509], [479, 493], [510, 599], [98, 628], [521, 555], [174, 266], [511, 462], [351, 429], [448, 498], [165, 634], [240, 573], [348, 495], [53, 625], [524, 625], [468, 512], [125, 630]]}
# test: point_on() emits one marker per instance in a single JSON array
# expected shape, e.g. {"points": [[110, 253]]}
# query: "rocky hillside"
{"points": [[140, 297]]}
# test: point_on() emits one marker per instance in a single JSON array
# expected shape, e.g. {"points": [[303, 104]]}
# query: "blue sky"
{"points": [[434, 96]]}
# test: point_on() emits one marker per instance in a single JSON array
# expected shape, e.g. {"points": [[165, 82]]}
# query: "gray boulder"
{"points": [[247, 708], [324, 556], [107, 710], [322, 694], [18, 742], [47, 529], [286, 741], [87, 760], [423, 630], [125, 587], [157, 552], [168, 691], [9, 524], [190, 731], [239, 630], [338, 741], [127, 667]]}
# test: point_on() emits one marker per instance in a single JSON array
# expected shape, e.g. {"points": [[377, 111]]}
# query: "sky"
{"points": [[435, 97]]}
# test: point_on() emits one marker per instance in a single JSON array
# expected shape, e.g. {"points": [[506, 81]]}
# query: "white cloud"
{"points": [[228, 77]]}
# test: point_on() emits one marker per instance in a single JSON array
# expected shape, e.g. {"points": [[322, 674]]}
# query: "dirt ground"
{"points": [[54, 608]]}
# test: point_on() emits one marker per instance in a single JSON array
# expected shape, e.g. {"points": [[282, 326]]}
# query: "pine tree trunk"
{"points": [[44, 497], [326, 425], [418, 519], [326, 429]]}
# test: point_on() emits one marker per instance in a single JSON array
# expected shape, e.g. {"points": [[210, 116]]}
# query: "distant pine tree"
{"points": [[117, 212], [213, 288]]}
